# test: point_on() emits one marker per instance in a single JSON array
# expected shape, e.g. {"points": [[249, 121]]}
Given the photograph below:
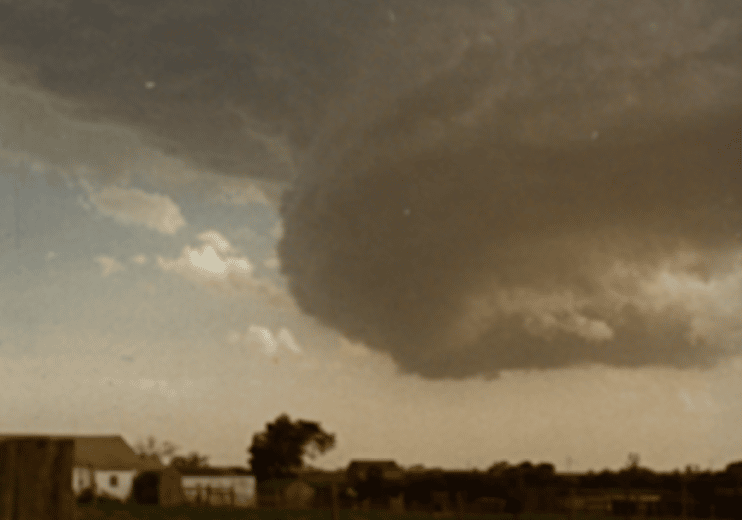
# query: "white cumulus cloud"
{"points": [[211, 265], [208, 264]]}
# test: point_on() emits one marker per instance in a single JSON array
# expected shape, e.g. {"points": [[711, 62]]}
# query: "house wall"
{"points": [[243, 486], [80, 479], [121, 489]]}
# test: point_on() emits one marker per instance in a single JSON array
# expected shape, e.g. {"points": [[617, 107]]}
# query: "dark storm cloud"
{"points": [[482, 185], [471, 217]]}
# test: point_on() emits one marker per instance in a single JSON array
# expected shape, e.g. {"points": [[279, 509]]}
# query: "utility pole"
{"points": [[17, 213], [571, 504], [460, 499], [335, 505], [684, 495]]}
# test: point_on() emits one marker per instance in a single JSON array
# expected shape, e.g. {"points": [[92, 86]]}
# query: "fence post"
{"points": [[93, 484], [460, 505], [571, 504], [684, 497], [36, 479], [8, 462], [335, 505]]}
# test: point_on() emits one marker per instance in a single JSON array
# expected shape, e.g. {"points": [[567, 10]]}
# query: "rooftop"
{"points": [[99, 451]]}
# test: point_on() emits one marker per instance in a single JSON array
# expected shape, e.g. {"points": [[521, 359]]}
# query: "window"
{"points": [[114, 481]]}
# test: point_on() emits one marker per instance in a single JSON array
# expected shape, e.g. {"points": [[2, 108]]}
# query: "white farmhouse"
{"points": [[104, 464], [108, 463]]}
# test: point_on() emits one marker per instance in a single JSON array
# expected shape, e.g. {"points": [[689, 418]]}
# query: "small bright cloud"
{"points": [[50, 255], [265, 336], [139, 259], [270, 343], [217, 240], [285, 337], [209, 265], [134, 206], [108, 265], [206, 264]]}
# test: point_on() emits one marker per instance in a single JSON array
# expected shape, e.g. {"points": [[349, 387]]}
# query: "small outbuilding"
{"points": [[386, 470], [234, 487]]}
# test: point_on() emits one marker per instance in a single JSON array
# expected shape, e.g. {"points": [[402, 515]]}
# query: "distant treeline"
{"points": [[528, 487]]}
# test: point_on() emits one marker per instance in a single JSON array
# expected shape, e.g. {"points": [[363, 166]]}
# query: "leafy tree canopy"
{"points": [[279, 451], [151, 447], [189, 462]]}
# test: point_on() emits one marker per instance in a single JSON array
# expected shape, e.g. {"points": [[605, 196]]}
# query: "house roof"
{"points": [[100, 452]]}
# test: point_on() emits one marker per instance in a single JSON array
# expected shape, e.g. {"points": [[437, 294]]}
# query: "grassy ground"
{"points": [[134, 512]]}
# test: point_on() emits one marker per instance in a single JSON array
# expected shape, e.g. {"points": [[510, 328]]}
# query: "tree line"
{"points": [[281, 450]]}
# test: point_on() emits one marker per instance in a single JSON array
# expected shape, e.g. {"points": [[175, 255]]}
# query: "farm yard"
{"points": [[101, 478]]}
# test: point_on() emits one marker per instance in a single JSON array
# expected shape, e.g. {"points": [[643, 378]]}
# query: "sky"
{"points": [[464, 239]]}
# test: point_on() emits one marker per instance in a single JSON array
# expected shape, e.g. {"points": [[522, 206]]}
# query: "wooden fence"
{"points": [[36, 479], [211, 496]]}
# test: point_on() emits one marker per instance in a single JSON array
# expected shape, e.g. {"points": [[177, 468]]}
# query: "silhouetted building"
{"points": [[378, 483], [612, 501], [287, 492], [361, 470]]}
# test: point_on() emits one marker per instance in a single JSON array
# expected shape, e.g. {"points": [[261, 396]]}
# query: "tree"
{"points": [[279, 451], [632, 463], [152, 448], [189, 462], [498, 468]]}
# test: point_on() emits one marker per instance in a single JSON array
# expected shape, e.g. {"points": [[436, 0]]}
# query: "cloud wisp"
{"points": [[269, 342], [132, 206]]}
